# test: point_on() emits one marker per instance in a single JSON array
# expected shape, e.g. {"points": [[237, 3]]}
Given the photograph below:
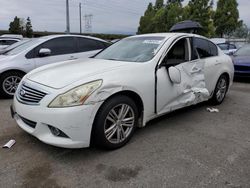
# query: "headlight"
{"points": [[76, 96]]}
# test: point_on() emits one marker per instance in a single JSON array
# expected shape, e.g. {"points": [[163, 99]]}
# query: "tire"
{"points": [[109, 122], [9, 82], [220, 90]]}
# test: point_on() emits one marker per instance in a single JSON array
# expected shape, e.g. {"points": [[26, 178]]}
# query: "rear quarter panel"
{"points": [[215, 67]]}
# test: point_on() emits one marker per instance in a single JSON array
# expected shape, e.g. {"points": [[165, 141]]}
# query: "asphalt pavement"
{"points": [[187, 148]]}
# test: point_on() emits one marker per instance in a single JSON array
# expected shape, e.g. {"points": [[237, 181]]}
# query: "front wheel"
{"points": [[220, 90], [115, 122], [9, 82]]}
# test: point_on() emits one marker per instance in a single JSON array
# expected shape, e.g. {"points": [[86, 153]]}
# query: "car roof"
{"points": [[169, 35], [69, 35]]}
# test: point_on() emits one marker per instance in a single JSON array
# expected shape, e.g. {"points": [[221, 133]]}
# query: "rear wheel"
{"points": [[220, 90], [9, 82], [115, 122]]}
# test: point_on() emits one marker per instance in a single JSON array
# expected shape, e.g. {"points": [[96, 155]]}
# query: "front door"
{"points": [[62, 49], [191, 89]]}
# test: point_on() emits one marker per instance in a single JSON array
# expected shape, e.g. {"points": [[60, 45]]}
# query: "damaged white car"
{"points": [[103, 99]]}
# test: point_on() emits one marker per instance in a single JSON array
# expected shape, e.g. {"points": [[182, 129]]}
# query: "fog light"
{"points": [[55, 131]]}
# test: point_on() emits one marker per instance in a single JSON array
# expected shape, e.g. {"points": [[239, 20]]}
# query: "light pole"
{"points": [[67, 17], [80, 15]]}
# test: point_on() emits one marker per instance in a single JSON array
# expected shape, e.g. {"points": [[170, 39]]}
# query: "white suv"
{"points": [[16, 63]]}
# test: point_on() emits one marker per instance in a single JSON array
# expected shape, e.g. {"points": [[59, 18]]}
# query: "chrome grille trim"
{"points": [[29, 95]]}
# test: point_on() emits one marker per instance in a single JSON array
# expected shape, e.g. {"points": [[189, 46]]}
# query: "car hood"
{"points": [[241, 60], [62, 74]]}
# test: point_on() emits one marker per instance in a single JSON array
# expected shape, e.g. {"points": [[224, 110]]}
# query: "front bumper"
{"points": [[75, 122]]}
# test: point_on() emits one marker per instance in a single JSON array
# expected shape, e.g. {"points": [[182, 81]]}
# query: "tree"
{"points": [[146, 20], [201, 11], [240, 32], [15, 26], [159, 4], [226, 17], [174, 13], [28, 28]]}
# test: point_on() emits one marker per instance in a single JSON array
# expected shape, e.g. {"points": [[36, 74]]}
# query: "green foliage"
{"points": [[146, 20], [19, 26], [240, 32], [159, 4], [161, 17], [28, 28], [201, 11], [226, 17], [15, 26]]}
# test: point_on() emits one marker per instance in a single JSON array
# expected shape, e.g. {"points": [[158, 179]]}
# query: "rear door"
{"points": [[208, 52], [87, 47], [62, 49]]}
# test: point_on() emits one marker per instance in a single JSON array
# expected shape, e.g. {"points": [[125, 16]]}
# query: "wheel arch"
{"points": [[136, 98], [131, 94], [13, 70]]}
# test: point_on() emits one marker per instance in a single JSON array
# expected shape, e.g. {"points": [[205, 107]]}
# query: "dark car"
{"points": [[241, 60]]}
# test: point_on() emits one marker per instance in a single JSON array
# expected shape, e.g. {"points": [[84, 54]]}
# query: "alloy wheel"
{"points": [[221, 89], [119, 123], [10, 84]]}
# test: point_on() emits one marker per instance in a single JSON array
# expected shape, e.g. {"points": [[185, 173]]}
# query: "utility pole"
{"points": [[67, 17], [80, 15]]}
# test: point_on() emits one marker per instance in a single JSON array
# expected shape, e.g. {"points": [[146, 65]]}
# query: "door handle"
{"points": [[73, 58], [195, 70]]}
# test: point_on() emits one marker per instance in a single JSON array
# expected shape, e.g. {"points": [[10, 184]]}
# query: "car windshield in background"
{"points": [[244, 51], [22, 47], [135, 49], [16, 44]]}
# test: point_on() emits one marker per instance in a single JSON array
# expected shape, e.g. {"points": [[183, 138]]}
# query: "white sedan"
{"points": [[103, 99]]}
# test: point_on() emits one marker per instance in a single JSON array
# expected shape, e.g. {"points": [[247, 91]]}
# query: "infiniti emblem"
{"points": [[22, 93]]}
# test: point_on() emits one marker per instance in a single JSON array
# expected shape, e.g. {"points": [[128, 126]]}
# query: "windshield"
{"points": [[244, 51], [16, 45], [136, 49], [22, 47]]}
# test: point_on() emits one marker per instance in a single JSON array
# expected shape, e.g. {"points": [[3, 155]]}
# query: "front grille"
{"points": [[29, 95], [30, 123]]}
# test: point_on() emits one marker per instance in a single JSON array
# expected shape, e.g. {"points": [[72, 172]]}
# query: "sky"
{"points": [[109, 16]]}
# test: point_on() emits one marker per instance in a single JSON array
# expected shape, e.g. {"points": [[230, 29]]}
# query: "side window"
{"points": [[204, 48], [179, 53], [59, 46], [85, 44], [10, 42], [213, 49], [232, 47], [223, 46]]}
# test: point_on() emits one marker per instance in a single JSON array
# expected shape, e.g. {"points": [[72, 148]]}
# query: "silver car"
{"points": [[16, 63]]}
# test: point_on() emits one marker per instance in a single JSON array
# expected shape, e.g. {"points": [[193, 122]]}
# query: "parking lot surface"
{"points": [[187, 148]]}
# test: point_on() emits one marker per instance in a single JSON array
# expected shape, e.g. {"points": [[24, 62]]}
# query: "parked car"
{"points": [[104, 98], [11, 47], [241, 60], [227, 48], [5, 42], [16, 63]]}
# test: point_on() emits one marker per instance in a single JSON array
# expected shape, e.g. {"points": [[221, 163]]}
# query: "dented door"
{"points": [[191, 90]]}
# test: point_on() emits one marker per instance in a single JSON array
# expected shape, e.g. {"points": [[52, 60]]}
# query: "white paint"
{"points": [[198, 80]]}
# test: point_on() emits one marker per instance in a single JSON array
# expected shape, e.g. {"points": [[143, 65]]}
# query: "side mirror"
{"points": [[175, 75], [43, 52]]}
